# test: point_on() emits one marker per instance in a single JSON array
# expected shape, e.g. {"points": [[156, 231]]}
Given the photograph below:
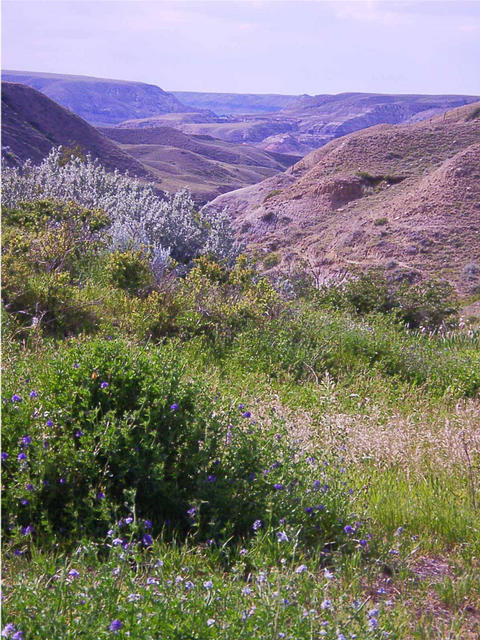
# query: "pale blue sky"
{"points": [[252, 46]]}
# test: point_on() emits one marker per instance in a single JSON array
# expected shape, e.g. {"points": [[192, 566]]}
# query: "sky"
{"points": [[251, 46]]}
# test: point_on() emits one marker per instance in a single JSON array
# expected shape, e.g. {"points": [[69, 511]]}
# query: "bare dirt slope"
{"points": [[406, 197], [32, 124], [206, 165]]}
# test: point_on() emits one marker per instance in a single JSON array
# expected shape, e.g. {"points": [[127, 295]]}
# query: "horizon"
{"points": [[266, 48]]}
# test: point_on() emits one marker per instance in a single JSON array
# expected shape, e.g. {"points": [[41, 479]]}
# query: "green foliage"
{"points": [[111, 428], [428, 304], [129, 270], [271, 260], [379, 222]]}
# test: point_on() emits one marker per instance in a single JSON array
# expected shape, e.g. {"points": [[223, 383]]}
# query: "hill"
{"points": [[100, 101], [207, 165], [406, 197], [309, 122], [234, 103], [32, 124]]}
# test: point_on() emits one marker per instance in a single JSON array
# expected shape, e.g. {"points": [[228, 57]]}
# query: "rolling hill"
{"points": [[32, 124], [100, 101], [405, 197], [309, 122], [207, 165]]}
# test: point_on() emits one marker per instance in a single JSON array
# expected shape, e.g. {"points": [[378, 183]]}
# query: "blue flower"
{"points": [[8, 630], [147, 524], [115, 625], [18, 635], [257, 525], [103, 385], [282, 536], [100, 495], [27, 530], [147, 539], [63, 481], [278, 486], [79, 433], [301, 569], [174, 406], [4, 456], [26, 440], [211, 478], [208, 584], [33, 394], [49, 423], [308, 509], [25, 502], [73, 573], [16, 398], [246, 414], [192, 512], [128, 520], [348, 529], [22, 456], [76, 366]]}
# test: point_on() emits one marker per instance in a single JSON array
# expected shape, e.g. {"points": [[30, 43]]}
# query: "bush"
{"points": [[104, 429], [129, 270], [171, 225]]}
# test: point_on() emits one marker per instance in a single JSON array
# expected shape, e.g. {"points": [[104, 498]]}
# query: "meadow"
{"points": [[191, 450]]}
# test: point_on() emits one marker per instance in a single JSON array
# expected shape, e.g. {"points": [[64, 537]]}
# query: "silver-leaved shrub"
{"points": [[168, 227]]}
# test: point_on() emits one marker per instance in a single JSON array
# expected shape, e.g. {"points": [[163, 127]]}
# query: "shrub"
{"points": [[129, 270], [139, 216], [378, 222], [104, 429]]}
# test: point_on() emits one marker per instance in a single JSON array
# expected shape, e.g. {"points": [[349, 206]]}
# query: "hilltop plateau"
{"points": [[100, 101]]}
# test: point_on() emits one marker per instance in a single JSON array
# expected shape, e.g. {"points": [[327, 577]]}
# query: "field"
{"points": [[205, 453]]}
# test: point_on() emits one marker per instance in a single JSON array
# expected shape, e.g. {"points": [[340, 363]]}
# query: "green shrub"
{"points": [[103, 429], [271, 260], [129, 270], [378, 222]]}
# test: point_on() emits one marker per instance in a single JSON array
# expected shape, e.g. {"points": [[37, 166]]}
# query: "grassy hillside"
{"points": [[32, 125], [208, 166], [192, 450]]}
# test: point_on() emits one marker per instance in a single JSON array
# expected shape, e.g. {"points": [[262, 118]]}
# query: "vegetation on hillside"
{"points": [[194, 451]]}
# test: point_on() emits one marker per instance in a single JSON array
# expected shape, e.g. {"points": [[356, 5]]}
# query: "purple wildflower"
{"points": [[147, 539], [73, 573], [26, 440], [211, 478], [33, 394], [79, 433], [4, 456], [278, 486], [49, 423], [8, 630], [208, 584], [246, 414], [27, 530], [16, 398], [22, 456], [348, 529], [62, 480], [30, 487], [100, 495], [147, 524], [18, 635], [174, 406], [257, 525], [103, 385], [115, 625], [76, 366], [282, 536], [25, 502]]}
